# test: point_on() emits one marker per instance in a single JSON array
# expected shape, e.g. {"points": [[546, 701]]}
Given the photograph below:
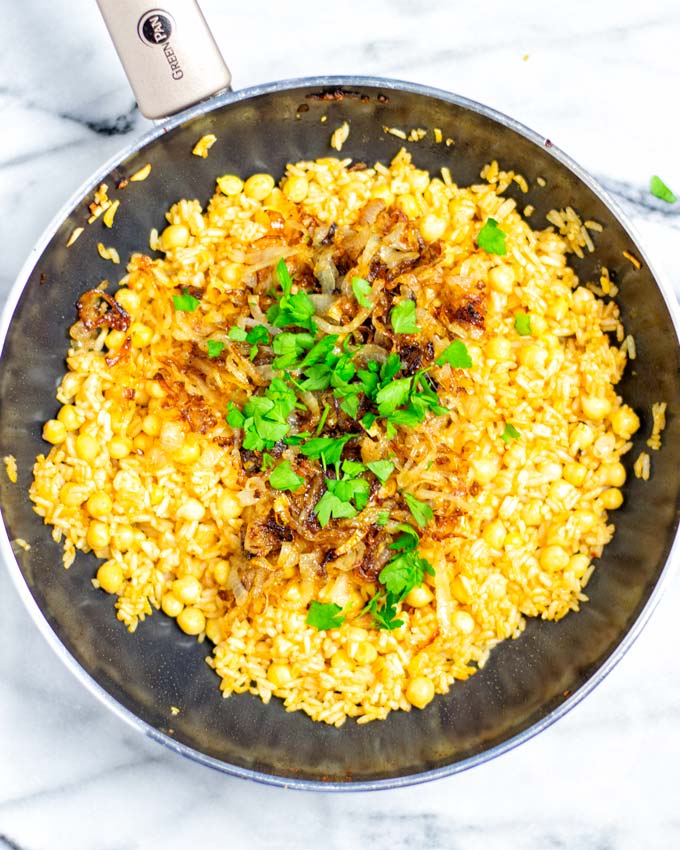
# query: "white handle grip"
{"points": [[168, 53]]}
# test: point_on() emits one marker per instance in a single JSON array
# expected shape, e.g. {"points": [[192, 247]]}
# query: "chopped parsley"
{"points": [[403, 318], [491, 238], [659, 189], [284, 478], [324, 616], [215, 348], [382, 469], [362, 290], [326, 449], [509, 433], [404, 571], [291, 310], [421, 511], [258, 334], [383, 518], [393, 395], [185, 303], [523, 324], [456, 355]]}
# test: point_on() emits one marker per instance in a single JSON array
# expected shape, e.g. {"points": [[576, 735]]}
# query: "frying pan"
{"points": [[527, 683]]}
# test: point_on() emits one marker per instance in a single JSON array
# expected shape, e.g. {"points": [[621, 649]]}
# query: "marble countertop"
{"points": [[600, 80]]}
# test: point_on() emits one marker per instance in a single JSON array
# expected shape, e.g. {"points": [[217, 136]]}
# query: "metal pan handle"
{"points": [[168, 53]]}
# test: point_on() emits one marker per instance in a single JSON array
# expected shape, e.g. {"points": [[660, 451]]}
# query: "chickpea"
{"points": [[595, 407], [420, 691], [612, 499], [151, 425], [99, 505], [494, 534], [110, 577], [175, 236], [98, 535], [366, 653], [296, 188], [191, 620], [553, 558], [575, 473], [419, 597], [128, 299], [578, 564], [54, 432], [114, 340], [191, 510], [187, 589], [123, 537], [72, 494], [69, 417], [432, 227], [499, 348], [625, 422], [140, 334], [228, 505], [502, 279], [171, 605], [120, 447], [613, 474], [230, 184], [258, 186], [188, 452], [463, 622], [87, 447], [279, 675]]}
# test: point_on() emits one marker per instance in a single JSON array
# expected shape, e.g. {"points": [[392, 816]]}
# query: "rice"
{"points": [[146, 473]]}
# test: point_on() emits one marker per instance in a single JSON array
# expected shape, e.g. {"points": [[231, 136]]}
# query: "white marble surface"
{"points": [[601, 81]]}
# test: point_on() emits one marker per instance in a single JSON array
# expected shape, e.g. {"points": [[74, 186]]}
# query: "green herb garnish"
{"points": [[509, 433], [185, 303], [456, 354], [659, 189], [523, 324], [362, 290], [291, 310], [383, 518], [421, 511], [382, 469], [215, 348], [324, 616], [491, 238], [403, 318], [284, 478]]}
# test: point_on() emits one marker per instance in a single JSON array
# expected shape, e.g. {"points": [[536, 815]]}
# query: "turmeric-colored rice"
{"points": [[145, 472]]}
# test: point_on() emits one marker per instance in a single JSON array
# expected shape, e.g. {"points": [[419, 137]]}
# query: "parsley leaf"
{"points": [[491, 238], [330, 505], [185, 303], [289, 347], [403, 318], [523, 324], [284, 478], [382, 469], [350, 405], [234, 416], [421, 511], [353, 468], [326, 449], [389, 368], [509, 433], [282, 273], [215, 348], [659, 189], [385, 614], [404, 572], [456, 354], [362, 290], [237, 334], [392, 395], [383, 518], [320, 351], [407, 541], [324, 615]]}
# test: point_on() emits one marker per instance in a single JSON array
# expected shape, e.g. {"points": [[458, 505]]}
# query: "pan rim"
{"points": [[10, 559]]}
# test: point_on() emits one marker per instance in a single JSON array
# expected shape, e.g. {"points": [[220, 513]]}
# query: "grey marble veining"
{"points": [[600, 80]]}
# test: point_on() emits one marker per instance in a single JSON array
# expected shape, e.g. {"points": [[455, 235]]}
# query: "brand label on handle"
{"points": [[155, 28]]}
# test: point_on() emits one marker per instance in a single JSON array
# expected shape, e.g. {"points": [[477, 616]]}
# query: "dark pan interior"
{"points": [[159, 667]]}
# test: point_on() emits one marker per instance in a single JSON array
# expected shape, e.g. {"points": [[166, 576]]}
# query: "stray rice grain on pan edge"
{"points": [[352, 429]]}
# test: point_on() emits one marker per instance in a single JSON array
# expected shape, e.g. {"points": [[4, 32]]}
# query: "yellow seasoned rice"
{"points": [[159, 502]]}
